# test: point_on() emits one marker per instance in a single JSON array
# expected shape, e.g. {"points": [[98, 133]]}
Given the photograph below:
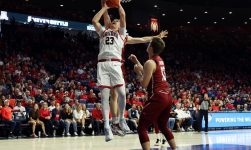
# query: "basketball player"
{"points": [[130, 40], [109, 73], [159, 105]]}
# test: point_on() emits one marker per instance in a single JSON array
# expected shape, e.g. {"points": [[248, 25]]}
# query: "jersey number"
{"points": [[109, 40], [163, 72]]}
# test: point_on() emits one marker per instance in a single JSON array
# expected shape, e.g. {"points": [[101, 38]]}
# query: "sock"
{"points": [[105, 94], [114, 120], [121, 101]]}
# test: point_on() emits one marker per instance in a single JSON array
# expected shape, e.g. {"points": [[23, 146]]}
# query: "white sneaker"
{"points": [[108, 134], [82, 133], [75, 133], [182, 129], [54, 133], [68, 134], [123, 126]]}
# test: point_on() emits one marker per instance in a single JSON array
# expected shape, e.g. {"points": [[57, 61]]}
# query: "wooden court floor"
{"points": [[213, 140]]}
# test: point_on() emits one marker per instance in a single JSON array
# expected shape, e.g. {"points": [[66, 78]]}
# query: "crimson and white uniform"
{"points": [[109, 73], [158, 108]]}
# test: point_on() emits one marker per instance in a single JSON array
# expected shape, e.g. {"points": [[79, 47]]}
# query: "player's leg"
{"points": [[118, 82], [114, 105], [148, 117], [163, 118], [114, 111], [104, 82]]}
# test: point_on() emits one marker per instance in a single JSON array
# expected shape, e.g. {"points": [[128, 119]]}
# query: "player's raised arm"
{"points": [[97, 17], [135, 60], [148, 70], [122, 16], [146, 39], [107, 19]]}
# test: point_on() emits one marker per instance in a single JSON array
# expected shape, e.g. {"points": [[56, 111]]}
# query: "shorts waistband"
{"points": [[111, 59]]}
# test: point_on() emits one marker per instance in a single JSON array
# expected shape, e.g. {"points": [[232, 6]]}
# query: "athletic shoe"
{"points": [[68, 134], [108, 134], [157, 143], [34, 135], [182, 129], [82, 133], [123, 126], [54, 133], [75, 133], [116, 130]]}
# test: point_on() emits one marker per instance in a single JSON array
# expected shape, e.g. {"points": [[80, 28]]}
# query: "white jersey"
{"points": [[111, 44]]}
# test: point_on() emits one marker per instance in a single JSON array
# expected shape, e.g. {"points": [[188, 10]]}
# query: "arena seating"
{"points": [[33, 59]]}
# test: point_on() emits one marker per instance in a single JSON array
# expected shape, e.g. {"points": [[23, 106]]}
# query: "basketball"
{"points": [[112, 3]]}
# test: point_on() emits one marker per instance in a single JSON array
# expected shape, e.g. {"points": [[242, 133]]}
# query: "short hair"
{"points": [[157, 45]]}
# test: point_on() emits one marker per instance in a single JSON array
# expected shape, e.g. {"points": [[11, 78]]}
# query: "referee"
{"points": [[204, 112]]}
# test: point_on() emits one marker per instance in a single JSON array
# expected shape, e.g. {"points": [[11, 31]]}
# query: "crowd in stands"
{"points": [[48, 78]]}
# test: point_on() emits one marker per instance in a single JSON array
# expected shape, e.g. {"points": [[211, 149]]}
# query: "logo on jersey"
{"points": [[111, 33]]}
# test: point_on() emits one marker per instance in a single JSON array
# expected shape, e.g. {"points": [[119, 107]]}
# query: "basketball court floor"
{"points": [[213, 140]]}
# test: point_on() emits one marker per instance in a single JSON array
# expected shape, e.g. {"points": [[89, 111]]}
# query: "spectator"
{"points": [[188, 120], [92, 97], [52, 106], [133, 116], [245, 108], [19, 113], [7, 118], [180, 117], [78, 117], [238, 108], [45, 117], [39, 96], [56, 118], [97, 119], [34, 120], [67, 116], [86, 116]]}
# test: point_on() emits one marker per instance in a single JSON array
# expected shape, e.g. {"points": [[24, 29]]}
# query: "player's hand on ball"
{"points": [[163, 34], [104, 5], [133, 58]]}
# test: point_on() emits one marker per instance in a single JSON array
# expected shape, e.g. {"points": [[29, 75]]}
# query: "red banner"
{"points": [[154, 25]]}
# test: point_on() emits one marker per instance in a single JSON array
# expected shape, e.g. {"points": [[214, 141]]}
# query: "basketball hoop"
{"points": [[126, 1]]}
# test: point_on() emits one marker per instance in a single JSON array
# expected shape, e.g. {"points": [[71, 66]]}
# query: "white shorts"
{"points": [[109, 74]]}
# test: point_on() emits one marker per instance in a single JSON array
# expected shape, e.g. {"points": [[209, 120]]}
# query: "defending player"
{"points": [[159, 106], [109, 73]]}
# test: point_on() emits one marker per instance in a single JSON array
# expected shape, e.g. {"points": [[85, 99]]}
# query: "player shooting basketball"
{"points": [[109, 72]]}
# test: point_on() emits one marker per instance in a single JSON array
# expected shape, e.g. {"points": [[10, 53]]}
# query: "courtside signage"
{"points": [[228, 119]]}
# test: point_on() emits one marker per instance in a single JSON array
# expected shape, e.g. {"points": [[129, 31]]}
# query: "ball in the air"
{"points": [[112, 3]]}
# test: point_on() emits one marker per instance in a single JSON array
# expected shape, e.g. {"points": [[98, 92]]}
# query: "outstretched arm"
{"points": [[107, 19], [122, 16], [96, 18], [132, 40]]}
